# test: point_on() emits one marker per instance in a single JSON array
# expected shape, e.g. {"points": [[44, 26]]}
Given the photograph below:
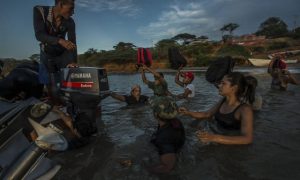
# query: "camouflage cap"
{"points": [[39, 110], [164, 107]]}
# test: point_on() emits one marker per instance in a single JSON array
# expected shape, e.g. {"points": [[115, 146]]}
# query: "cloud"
{"points": [[206, 17], [126, 7], [191, 18]]}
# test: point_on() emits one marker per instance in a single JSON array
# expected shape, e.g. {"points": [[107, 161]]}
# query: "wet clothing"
{"points": [[228, 121], [159, 90], [169, 138], [190, 87], [278, 63], [276, 84], [48, 34], [23, 78], [279, 81], [53, 55], [131, 100]]}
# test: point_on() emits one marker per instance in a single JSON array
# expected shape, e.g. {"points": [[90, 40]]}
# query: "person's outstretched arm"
{"points": [[185, 94], [145, 80], [292, 79], [67, 120], [177, 81], [201, 115], [246, 136], [156, 74], [117, 96]]}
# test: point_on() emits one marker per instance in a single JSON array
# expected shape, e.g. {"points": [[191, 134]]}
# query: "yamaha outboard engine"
{"points": [[83, 89]]}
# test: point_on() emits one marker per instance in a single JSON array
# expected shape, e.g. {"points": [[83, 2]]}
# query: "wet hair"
{"points": [[64, 1], [250, 90], [135, 87], [245, 91]]}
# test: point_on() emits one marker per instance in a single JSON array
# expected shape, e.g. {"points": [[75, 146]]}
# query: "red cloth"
{"points": [[282, 65]]}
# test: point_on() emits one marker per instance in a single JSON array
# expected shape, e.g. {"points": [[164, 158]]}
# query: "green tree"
{"points": [[273, 27], [230, 27], [184, 37], [296, 33], [35, 57], [234, 51], [90, 52], [121, 46], [202, 37], [163, 45]]}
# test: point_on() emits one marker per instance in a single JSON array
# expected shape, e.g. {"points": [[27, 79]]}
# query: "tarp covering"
{"points": [[23, 78]]}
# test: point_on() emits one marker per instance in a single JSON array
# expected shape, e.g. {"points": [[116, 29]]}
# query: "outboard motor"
{"points": [[83, 89]]}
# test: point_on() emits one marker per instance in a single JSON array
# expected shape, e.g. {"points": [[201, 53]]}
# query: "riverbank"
{"points": [[201, 69]]}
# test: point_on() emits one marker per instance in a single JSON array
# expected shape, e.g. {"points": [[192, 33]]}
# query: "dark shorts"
{"points": [[52, 64]]}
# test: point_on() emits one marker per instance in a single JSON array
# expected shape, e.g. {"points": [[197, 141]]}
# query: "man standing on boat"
{"points": [[51, 25]]}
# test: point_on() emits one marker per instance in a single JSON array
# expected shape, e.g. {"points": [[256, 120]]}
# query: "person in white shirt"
{"points": [[186, 83]]}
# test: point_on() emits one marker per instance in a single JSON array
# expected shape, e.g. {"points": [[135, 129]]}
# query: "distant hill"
{"points": [[197, 55]]}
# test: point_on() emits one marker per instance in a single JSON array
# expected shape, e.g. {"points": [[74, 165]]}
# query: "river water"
{"points": [[124, 134]]}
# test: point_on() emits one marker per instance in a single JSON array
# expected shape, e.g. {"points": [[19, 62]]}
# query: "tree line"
{"points": [[200, 53]]}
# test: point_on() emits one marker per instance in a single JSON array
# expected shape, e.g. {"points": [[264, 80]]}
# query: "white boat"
{"points": [[265, 62], [260, 62]]}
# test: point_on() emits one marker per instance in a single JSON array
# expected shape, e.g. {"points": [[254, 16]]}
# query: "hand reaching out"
{"points": [[182, 110], [72, 65], [204, 136]]}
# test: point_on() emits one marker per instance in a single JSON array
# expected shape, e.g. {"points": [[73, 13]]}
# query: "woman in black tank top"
{"points": [[229, 113]]}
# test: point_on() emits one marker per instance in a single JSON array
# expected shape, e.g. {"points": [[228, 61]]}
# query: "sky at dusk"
{"points": [[101, 24]]}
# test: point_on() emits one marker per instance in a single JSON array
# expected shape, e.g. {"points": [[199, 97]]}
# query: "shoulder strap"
{"points": [[41, 9], [237, 107], [223, 100]]}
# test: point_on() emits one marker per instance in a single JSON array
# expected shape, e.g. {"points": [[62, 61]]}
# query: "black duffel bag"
{"points": [[219, 68]]}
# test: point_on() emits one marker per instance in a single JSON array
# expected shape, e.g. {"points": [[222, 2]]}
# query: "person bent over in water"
{"points": [[281, 77], [186, 83], [135, 97], [170, 135], [56, 118], [234, 119]]}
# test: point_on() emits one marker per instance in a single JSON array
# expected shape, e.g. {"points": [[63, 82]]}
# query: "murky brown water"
{"points": [[125, 133]]}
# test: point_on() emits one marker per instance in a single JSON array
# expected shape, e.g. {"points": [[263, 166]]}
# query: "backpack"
{"points": [[144, 56], [218, 68], [176, 59]]}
